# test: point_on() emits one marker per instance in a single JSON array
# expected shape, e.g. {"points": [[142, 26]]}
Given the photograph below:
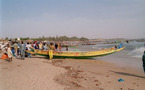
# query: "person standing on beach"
{"points": [[40, 46], [115, 47], [9, 53], [66, 47], [59, 46], [22, 50], [18, 53], [120, 45], [2, 46], [28, 46], [143, 59], [44, 46], [15, 48], [51, 49], [56, 46]]}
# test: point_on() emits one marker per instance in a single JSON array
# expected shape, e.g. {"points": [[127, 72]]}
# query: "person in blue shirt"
{"points": [[120, 45], [13, 51]]}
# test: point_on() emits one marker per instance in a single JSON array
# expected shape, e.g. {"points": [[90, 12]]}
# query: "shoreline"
{"points": [[84, 75], [67, 74]]}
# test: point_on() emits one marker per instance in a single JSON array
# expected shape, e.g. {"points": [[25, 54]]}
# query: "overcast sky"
{"points": [[81, 18]]}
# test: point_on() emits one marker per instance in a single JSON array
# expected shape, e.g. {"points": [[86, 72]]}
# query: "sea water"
{"points": [[130, 57]]}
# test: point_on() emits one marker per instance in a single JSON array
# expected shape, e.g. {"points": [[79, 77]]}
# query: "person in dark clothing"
{"points": [[56, 46], [115, 47], [143, 59], [127, 41], [66, 47]]}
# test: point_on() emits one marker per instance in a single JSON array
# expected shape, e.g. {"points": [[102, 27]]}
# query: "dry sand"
{"points": [[38, 73], [29, 74]]}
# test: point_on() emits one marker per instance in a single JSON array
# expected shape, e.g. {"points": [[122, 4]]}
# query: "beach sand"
{"points": [[38, 73], [29, 74]]}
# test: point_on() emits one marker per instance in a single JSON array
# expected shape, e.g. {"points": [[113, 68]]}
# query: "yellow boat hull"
{"points": [[72, 54]]}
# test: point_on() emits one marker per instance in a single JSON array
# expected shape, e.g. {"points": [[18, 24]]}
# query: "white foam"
{"points": [[137, 52]]}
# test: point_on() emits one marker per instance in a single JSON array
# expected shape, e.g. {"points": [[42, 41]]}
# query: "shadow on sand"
{"points": [[123, 73], [40, 57]]}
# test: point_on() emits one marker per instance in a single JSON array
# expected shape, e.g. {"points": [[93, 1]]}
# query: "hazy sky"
{"points": [[81, 18]]}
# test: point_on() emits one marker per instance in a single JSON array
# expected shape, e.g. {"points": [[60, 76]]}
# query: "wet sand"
{"points": [[98, 75], [38, 73]]}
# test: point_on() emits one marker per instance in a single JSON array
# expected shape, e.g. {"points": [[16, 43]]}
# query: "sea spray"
{"points": [[137, 52]]}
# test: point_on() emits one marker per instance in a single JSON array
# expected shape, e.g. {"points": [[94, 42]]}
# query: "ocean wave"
{"points": [[137, 52]]}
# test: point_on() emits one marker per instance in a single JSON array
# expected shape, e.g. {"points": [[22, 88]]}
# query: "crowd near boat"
{"points": [[22, 48], [17, 48]]}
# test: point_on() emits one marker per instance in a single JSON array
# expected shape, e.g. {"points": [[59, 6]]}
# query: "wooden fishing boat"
{"points": [[78, 54]]}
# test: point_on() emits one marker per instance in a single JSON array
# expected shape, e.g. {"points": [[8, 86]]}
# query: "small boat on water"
{"points": [[78, 54]]}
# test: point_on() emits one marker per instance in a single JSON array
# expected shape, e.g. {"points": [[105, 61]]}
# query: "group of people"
{"points": [[17, 49], [43, 45], [13, 49]]}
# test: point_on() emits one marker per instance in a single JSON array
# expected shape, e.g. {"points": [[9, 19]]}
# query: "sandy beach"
{"points": [[72, 45], [29, 74], [39, 73]]}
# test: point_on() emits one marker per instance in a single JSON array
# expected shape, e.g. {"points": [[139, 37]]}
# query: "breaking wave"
{"points": [[137, 52]]}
